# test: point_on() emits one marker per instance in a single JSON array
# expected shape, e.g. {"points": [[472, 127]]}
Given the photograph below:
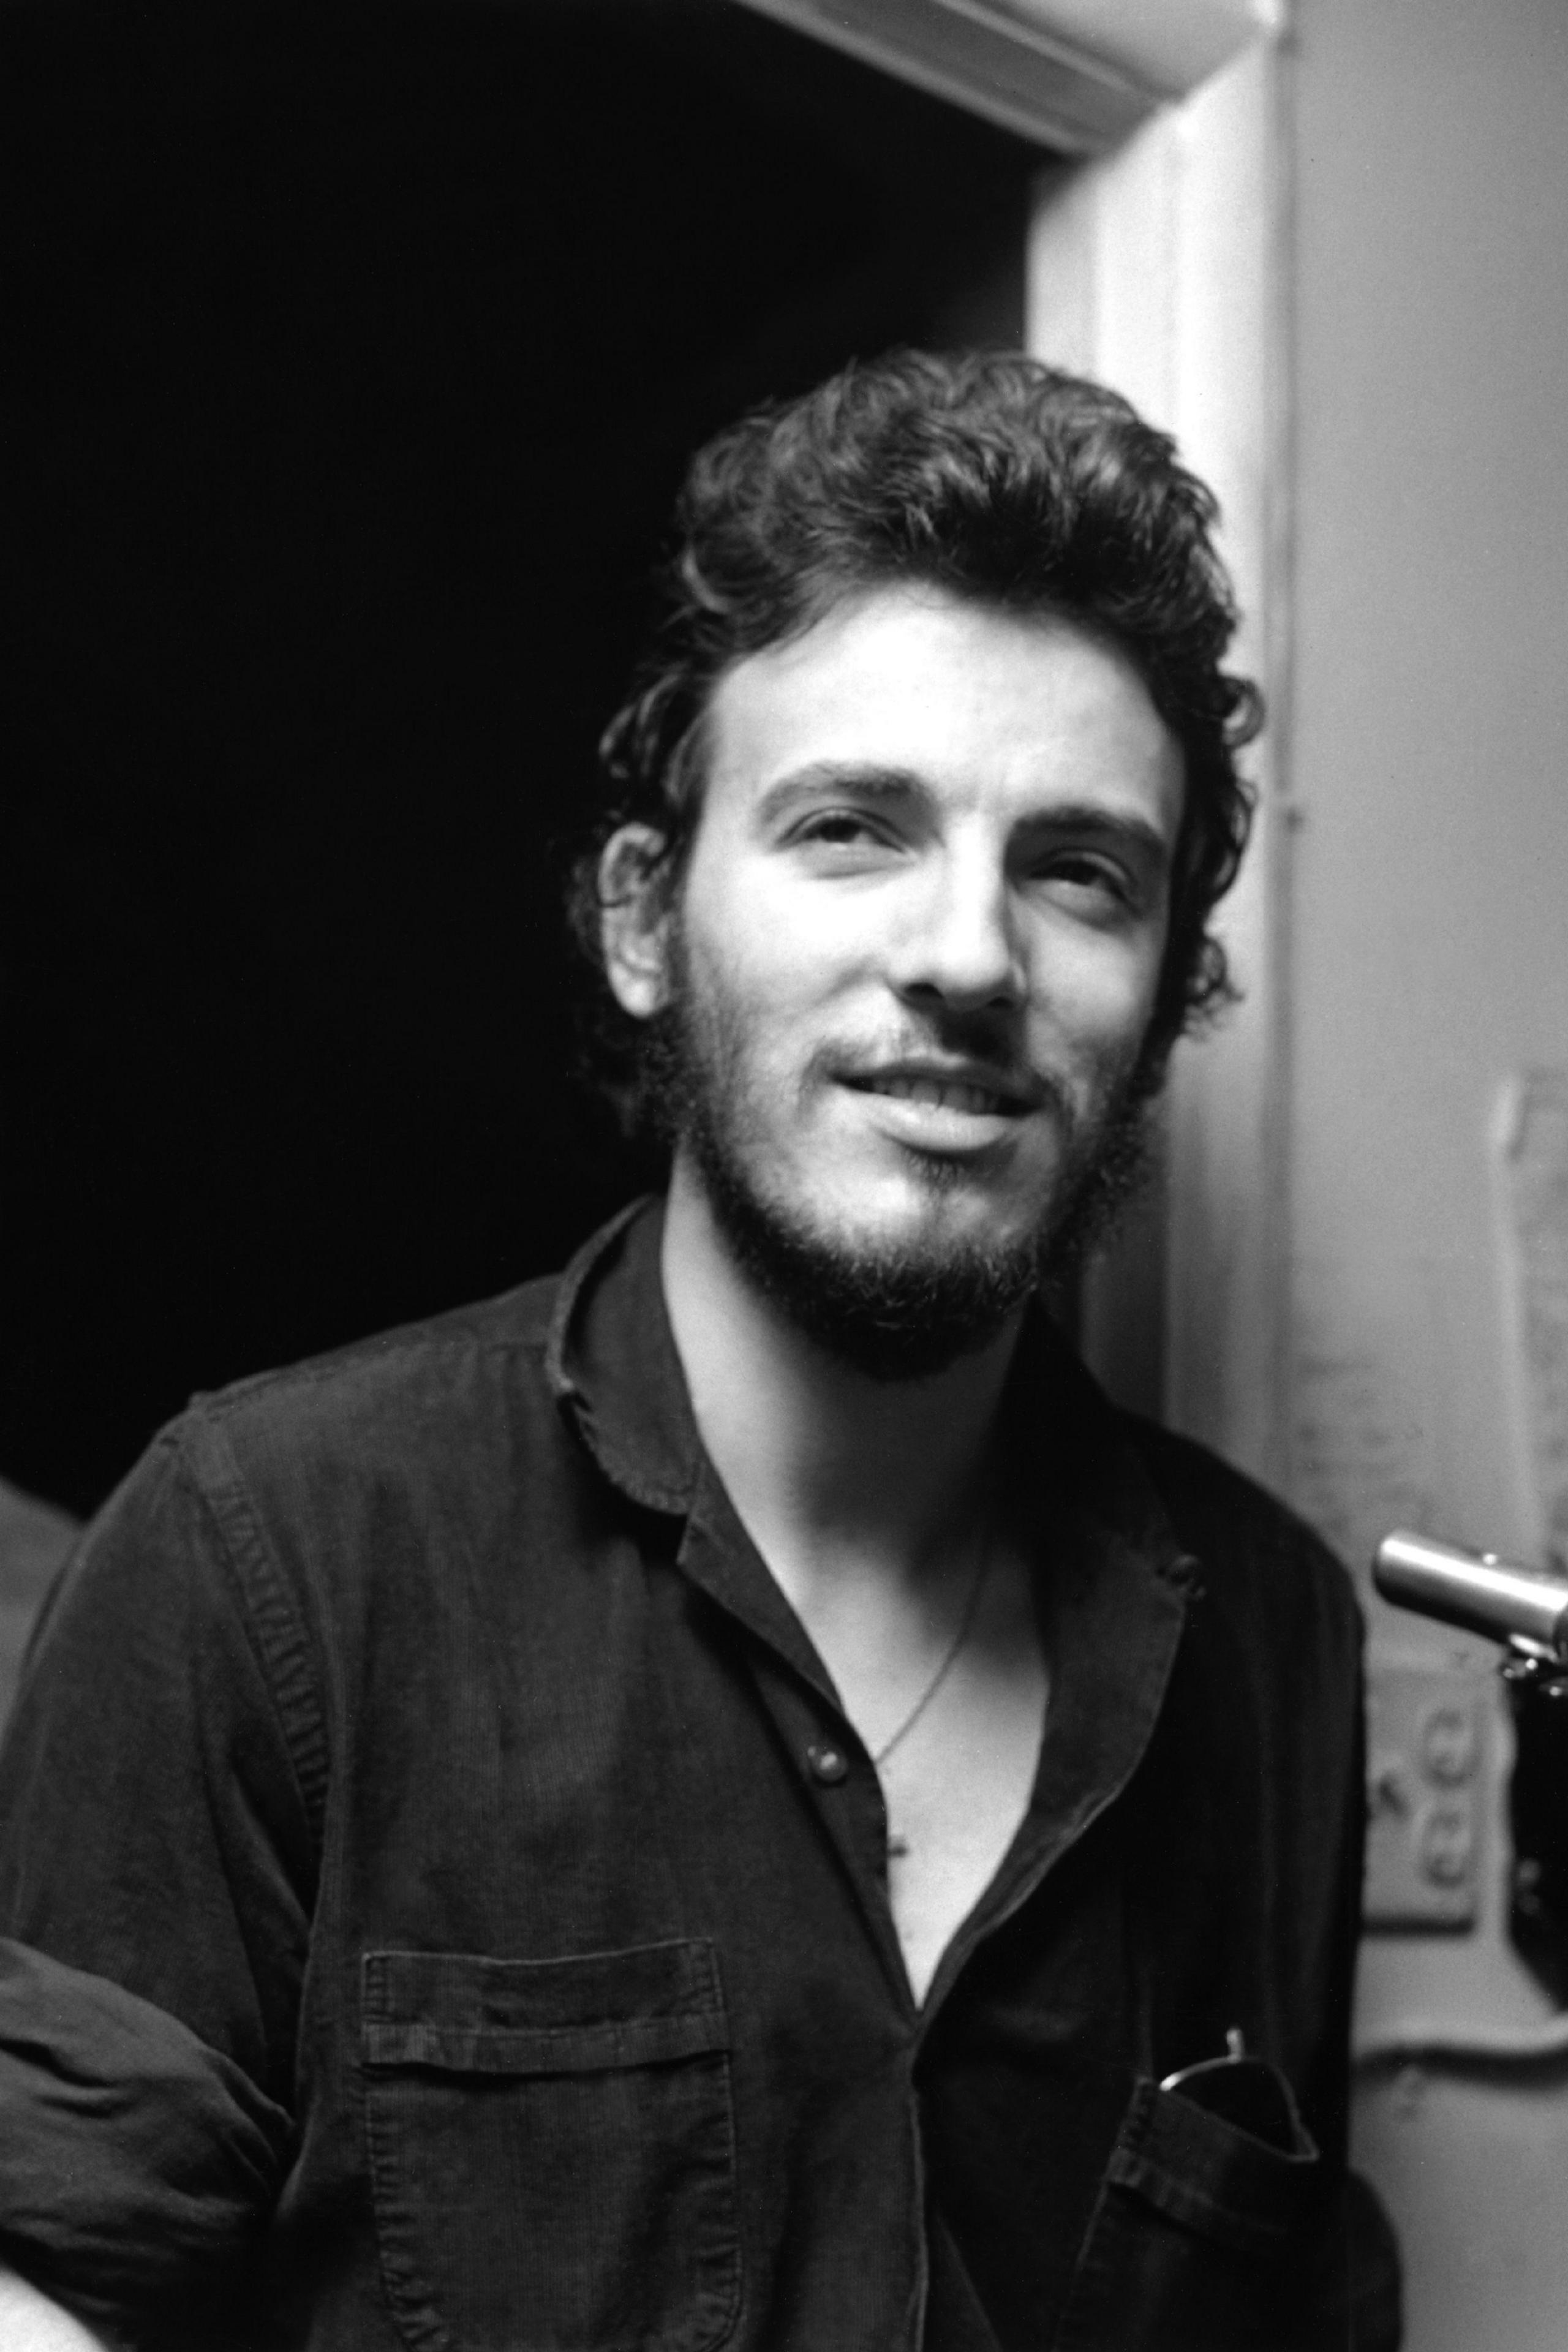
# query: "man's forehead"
{"points": [[911, 679]]}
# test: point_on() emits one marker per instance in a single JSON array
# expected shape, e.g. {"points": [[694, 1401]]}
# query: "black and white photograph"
{"points": [[783, 1176]]}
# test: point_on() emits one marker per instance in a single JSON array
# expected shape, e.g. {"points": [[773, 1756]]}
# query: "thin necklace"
{"points": [[965, 1627]]}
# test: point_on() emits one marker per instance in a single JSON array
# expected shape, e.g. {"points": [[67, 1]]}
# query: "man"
{"points": [[731, 1800]]}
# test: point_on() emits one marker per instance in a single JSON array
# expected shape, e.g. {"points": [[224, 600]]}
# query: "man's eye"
{"points": [[1087, 880], [840, 828]]}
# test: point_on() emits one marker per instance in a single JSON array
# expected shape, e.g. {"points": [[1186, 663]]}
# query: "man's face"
{"points": [[916, 947]]}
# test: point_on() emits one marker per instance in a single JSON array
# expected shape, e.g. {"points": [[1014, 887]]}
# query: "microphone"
{"points": [[1520, 1607]]}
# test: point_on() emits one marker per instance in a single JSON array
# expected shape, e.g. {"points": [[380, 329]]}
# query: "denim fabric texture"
{"points": [[426, 1927]]}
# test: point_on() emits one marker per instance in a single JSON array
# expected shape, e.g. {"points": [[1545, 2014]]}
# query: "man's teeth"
{"points": [[942, 1094]]}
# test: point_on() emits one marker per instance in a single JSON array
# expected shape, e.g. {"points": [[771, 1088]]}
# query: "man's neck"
{"points": [[836, 1474]]}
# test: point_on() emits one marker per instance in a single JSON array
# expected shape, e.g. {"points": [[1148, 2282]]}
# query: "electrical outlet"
{"points": [[1423, 1790]]}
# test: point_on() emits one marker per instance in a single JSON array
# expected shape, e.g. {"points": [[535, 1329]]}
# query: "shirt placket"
{"points": [[826, 1753]]}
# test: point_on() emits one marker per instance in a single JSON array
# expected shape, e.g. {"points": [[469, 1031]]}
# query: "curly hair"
{"points": [[995, 479]]}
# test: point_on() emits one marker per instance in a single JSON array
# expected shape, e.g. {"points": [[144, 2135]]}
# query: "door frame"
{"points": [[1162, 267]]}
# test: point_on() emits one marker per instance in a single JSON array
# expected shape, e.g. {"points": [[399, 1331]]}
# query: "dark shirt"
{"points": [[447, 1901]]}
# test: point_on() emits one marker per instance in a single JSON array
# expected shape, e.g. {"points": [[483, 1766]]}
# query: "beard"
{"points": [[895, 1309]]}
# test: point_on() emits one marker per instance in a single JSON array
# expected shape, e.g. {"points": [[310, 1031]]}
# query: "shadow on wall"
{"points": [[34, 1539]]}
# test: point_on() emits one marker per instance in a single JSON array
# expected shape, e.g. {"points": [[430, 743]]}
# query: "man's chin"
{"points": [[927, 1238], [898, 1300]]}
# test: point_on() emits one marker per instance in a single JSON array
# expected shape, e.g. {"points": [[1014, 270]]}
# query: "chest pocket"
{"points": [[1205, 2239], [550, 2149]]}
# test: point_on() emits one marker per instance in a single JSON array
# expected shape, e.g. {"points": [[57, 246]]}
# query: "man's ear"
{"points": [[633, 918]]}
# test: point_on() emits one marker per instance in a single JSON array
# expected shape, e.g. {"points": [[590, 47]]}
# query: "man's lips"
{"points": [[976, 1093]]}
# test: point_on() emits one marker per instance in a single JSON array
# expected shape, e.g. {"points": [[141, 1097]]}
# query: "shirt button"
{"points": [[829, 1764]]}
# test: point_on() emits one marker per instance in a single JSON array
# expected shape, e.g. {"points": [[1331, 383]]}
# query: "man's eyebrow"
{"points": [[1091, 818], [867, 782]]}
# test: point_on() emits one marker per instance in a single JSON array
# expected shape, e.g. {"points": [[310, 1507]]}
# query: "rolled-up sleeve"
{"points": [[156, 1881], [134, 2160]]}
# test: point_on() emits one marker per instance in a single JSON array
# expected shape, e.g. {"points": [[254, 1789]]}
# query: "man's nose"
{"points": [[962, 942]]}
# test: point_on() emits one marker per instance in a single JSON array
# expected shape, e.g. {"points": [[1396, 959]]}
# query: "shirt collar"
{"points": [[612, 1362], [1114, 1582]]}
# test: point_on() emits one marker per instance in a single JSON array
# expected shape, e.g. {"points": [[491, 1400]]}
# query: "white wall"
{"points": [[1429, 953], [1430, 746]]}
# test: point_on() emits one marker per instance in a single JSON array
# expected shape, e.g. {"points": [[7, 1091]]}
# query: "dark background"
{"points": [[349, 359]]}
